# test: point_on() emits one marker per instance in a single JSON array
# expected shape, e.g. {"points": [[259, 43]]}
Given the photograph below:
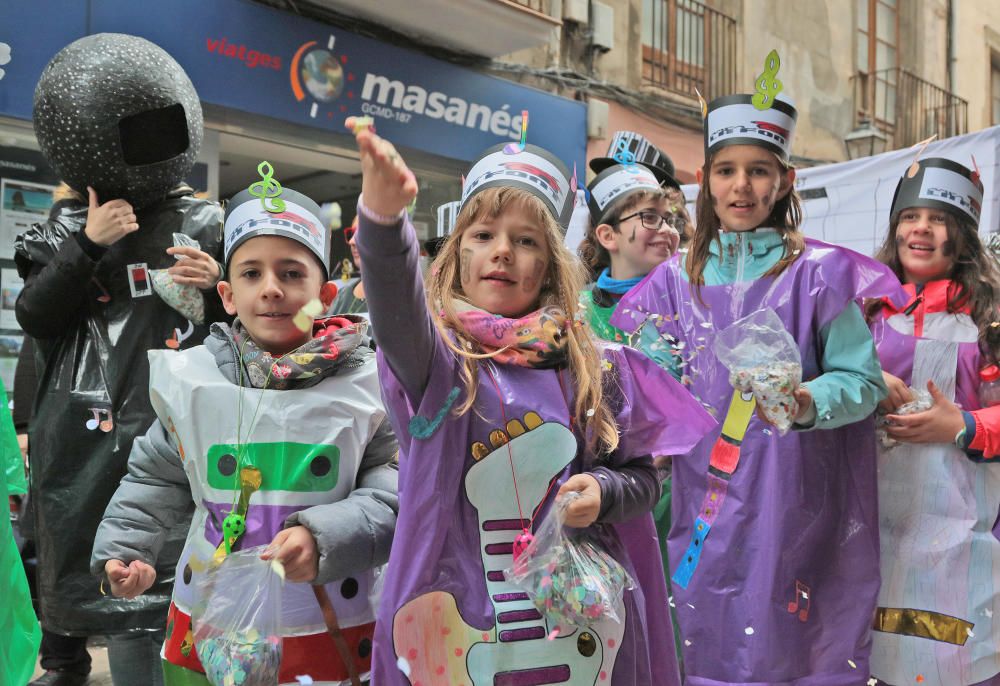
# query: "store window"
{"points": [[877, 58], [995, 89]]}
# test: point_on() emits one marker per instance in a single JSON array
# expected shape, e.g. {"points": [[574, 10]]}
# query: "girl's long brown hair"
{"points": [[561, 287], [975, 277], [786, 217]]}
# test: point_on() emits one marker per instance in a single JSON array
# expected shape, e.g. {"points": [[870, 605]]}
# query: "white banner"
{"points": [[848, 203]]}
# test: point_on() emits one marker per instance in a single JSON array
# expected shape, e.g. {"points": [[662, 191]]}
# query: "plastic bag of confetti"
{"points": [[763, 359], [237, 620], [571, 580], [184, 298], [921, 402]]}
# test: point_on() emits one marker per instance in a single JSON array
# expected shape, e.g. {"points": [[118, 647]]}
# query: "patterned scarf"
{"points": [[535, 340], [334, 339]]}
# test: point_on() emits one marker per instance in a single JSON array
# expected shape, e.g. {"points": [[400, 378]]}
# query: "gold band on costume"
{"points": [[922, 624]]}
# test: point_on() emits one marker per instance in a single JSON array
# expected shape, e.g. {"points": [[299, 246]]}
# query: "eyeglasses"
{"points": [[653, 221]]}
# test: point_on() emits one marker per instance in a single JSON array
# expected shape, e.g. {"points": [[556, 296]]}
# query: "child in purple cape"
{"points": [[502, 404], [774, 540]]}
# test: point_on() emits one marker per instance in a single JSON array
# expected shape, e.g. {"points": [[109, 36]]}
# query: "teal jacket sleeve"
{"points": [[851, 384]]}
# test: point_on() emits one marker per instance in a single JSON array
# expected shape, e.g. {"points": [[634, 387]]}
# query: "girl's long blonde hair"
{"points": [[560, 288]]}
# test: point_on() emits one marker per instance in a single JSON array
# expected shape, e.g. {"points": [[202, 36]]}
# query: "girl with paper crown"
{"points": [[938, 614], [276, 430], [774, 537], [503, 406]]}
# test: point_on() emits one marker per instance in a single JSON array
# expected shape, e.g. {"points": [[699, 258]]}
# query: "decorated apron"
{"points": [[308, 445], [774, 543], [938, 616], [447, 614]]}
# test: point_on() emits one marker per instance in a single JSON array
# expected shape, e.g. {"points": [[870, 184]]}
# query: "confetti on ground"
{"points": [[988, 612], [748, 631], [304, 680], [872, 682], [920, 678], [690, 605], [404, 666], [687, 642], [852, 664]]}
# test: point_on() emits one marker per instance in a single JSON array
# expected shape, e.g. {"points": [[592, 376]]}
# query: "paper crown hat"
{"points": [[532, 169], [268, 209], [615, 182], [940, 184], [733, 120], [629, 146]]}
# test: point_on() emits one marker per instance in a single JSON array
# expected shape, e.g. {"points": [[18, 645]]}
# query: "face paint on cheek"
{"points": [[466, 266], [631, 238], [531, 282]]}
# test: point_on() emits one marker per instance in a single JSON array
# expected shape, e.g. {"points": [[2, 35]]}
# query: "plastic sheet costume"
{"points": [[95, 106], [18, 624], [775, 562], [447, 613], [938, 615]]}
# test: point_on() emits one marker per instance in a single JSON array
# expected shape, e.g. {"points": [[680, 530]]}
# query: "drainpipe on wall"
{"points": [[951, 46]]}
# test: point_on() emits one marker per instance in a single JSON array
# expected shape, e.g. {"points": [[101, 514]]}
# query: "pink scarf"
{"points": [[537, 339]]}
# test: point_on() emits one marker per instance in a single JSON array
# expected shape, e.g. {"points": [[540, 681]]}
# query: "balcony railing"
{"points": [[907, 108], [540, 6], [687, 45]]}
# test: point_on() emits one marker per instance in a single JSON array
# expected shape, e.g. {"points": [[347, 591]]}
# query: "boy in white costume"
{"points": [[286, 410]]}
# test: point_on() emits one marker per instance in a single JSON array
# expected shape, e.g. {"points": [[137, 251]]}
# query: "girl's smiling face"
{"points": [[503, 263], [922, 243], [745, 182]]}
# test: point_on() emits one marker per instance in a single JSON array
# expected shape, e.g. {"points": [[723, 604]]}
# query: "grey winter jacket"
{"points": [[352, 535]]}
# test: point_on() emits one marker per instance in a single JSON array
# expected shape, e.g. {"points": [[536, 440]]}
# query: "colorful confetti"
{"points": [[303, 319], [515, 148]]}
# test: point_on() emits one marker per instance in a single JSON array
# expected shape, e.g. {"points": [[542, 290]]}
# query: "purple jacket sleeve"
{"points": [[394, 288], [627, 491]]}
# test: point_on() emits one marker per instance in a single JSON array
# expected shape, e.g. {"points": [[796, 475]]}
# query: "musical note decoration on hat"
{"points": [[267, 188], [767, 85], [515, 148]]}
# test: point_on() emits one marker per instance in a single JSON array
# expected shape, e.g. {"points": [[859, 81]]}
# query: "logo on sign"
{"points": [[321, 74]]}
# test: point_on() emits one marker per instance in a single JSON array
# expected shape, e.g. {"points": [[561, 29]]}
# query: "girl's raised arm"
{"points": [[390, 263]]}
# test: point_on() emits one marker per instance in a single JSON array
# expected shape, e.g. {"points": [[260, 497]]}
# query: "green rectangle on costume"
{"points": [[302, 467]]}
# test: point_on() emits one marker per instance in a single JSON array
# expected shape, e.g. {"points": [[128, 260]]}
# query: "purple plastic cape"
{"points": [[446, 615], [779, 584]]}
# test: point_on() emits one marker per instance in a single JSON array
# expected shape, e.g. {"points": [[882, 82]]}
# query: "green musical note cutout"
{"points": [[767, 85], [267, 188]]}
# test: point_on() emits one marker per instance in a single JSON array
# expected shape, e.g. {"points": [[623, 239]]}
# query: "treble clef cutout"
{"points": [[767, 84], [267, 188]]}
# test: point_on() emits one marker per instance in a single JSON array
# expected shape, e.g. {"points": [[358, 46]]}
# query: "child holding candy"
{"points": [[774, 540], [938, 614], [503, 405], [276, 430]]}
